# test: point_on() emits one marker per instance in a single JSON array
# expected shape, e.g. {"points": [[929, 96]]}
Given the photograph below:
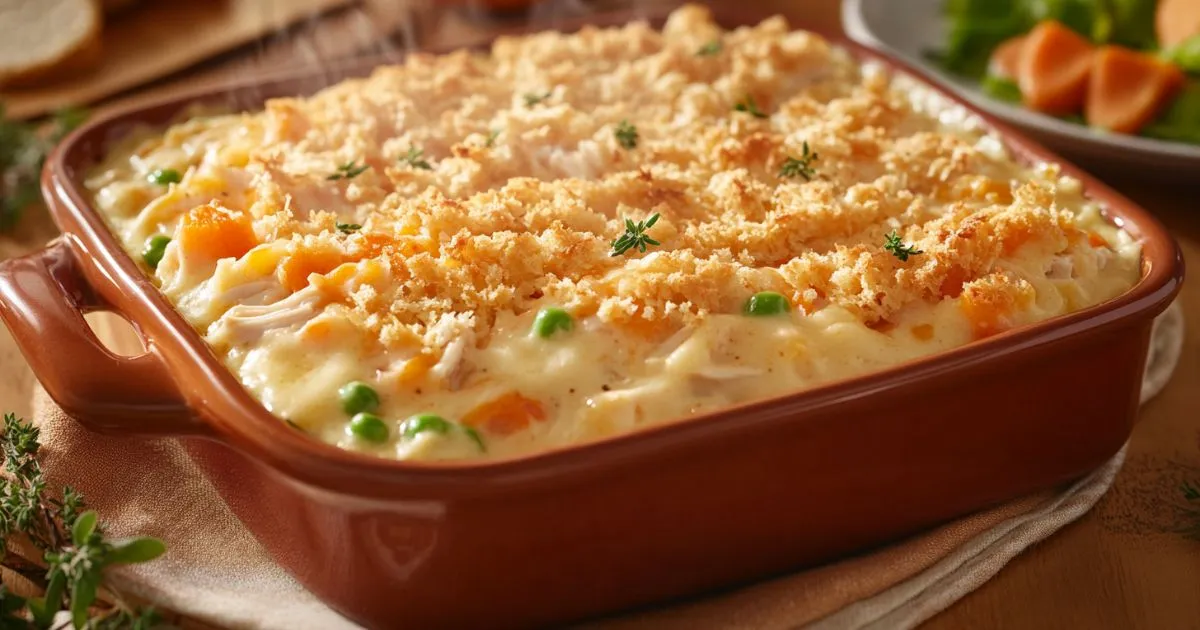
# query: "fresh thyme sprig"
{"points": [[415, 158], [710, 49], [800, 167], [75, 548], [491, 138], [635, 236], [23, 150], [533, 98], [898, 248], [349, 170], [626, 134], [748, 106]]}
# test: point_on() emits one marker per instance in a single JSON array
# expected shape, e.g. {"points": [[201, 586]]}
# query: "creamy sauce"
{"points": [[432, 298]]}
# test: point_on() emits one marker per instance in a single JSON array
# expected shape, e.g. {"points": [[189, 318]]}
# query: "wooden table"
{"points": [[1126, 564]]}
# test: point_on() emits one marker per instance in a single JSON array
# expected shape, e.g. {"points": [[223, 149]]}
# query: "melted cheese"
{"points": [[494, 185]]}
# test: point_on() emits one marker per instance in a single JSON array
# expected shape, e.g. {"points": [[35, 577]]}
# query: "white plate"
{"points": [[906, 29]]}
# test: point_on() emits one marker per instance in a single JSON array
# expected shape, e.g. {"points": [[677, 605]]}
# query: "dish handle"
{"points": [[43, 298]]}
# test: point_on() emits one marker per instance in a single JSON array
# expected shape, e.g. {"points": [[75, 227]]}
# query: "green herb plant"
{"points": [[626, 134], [349, 170], [23, 150], [533, 98], [801, 166], [75, 548], [635, 236], [415, 158], [748, 106], [898, 249], [711, 49]]}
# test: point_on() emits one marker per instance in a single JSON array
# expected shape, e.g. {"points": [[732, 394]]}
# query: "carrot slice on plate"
{"points": [[1053, 69], [1129, 88], [1176, 21], [1006, 58]]}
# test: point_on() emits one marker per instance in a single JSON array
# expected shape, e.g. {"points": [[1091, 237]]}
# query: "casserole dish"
{"points": [[557, 536]]}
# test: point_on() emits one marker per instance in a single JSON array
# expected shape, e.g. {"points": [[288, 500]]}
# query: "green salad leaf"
{"points": [[1186, 55], [1091, 18], [976, 27], [1181, 121], [1000, 88], [1133, 23]]}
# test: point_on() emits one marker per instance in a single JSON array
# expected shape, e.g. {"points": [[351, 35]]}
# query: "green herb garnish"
{"points": [[710, 49], [72, 542], [800, 167], [635, 236], [899, 249], [349, 170], [415, 158], [533, 98], [491, 138], [348, 228], [626, 134], [748, 106], [23, 150], [164, 177]]}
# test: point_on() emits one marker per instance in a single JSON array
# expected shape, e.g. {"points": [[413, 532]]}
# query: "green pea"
{"points": [[369, 427], [424, 422], [357, 396], [765, 304], [550, 320], [164, 176], [156, 246]]}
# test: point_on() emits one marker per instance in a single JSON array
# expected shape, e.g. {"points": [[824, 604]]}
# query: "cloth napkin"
{"points": [[215, 571]]}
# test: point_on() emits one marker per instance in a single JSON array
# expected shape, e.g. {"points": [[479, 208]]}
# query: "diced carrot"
{"points": [[215, 232], [1129, 88], [415, 369], [1176, 21], [924, 332], [1053, 69], [1006, 58], [1095, 240], [507, 414], [297, 267]]}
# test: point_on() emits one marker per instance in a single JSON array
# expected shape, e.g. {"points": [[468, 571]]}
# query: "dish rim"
{"points": [[261, 434]]}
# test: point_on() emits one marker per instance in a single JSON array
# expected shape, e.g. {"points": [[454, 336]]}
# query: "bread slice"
{"points": [[41, 40]]}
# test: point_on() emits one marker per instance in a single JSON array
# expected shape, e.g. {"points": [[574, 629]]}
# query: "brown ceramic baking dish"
{"points": [[675, 510]]}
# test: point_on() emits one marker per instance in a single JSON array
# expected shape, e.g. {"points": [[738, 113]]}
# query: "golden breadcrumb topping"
{"points": [[442, 195]]}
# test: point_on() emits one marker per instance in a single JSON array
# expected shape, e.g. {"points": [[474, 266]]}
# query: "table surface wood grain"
{"points": [[1126, 564]]}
